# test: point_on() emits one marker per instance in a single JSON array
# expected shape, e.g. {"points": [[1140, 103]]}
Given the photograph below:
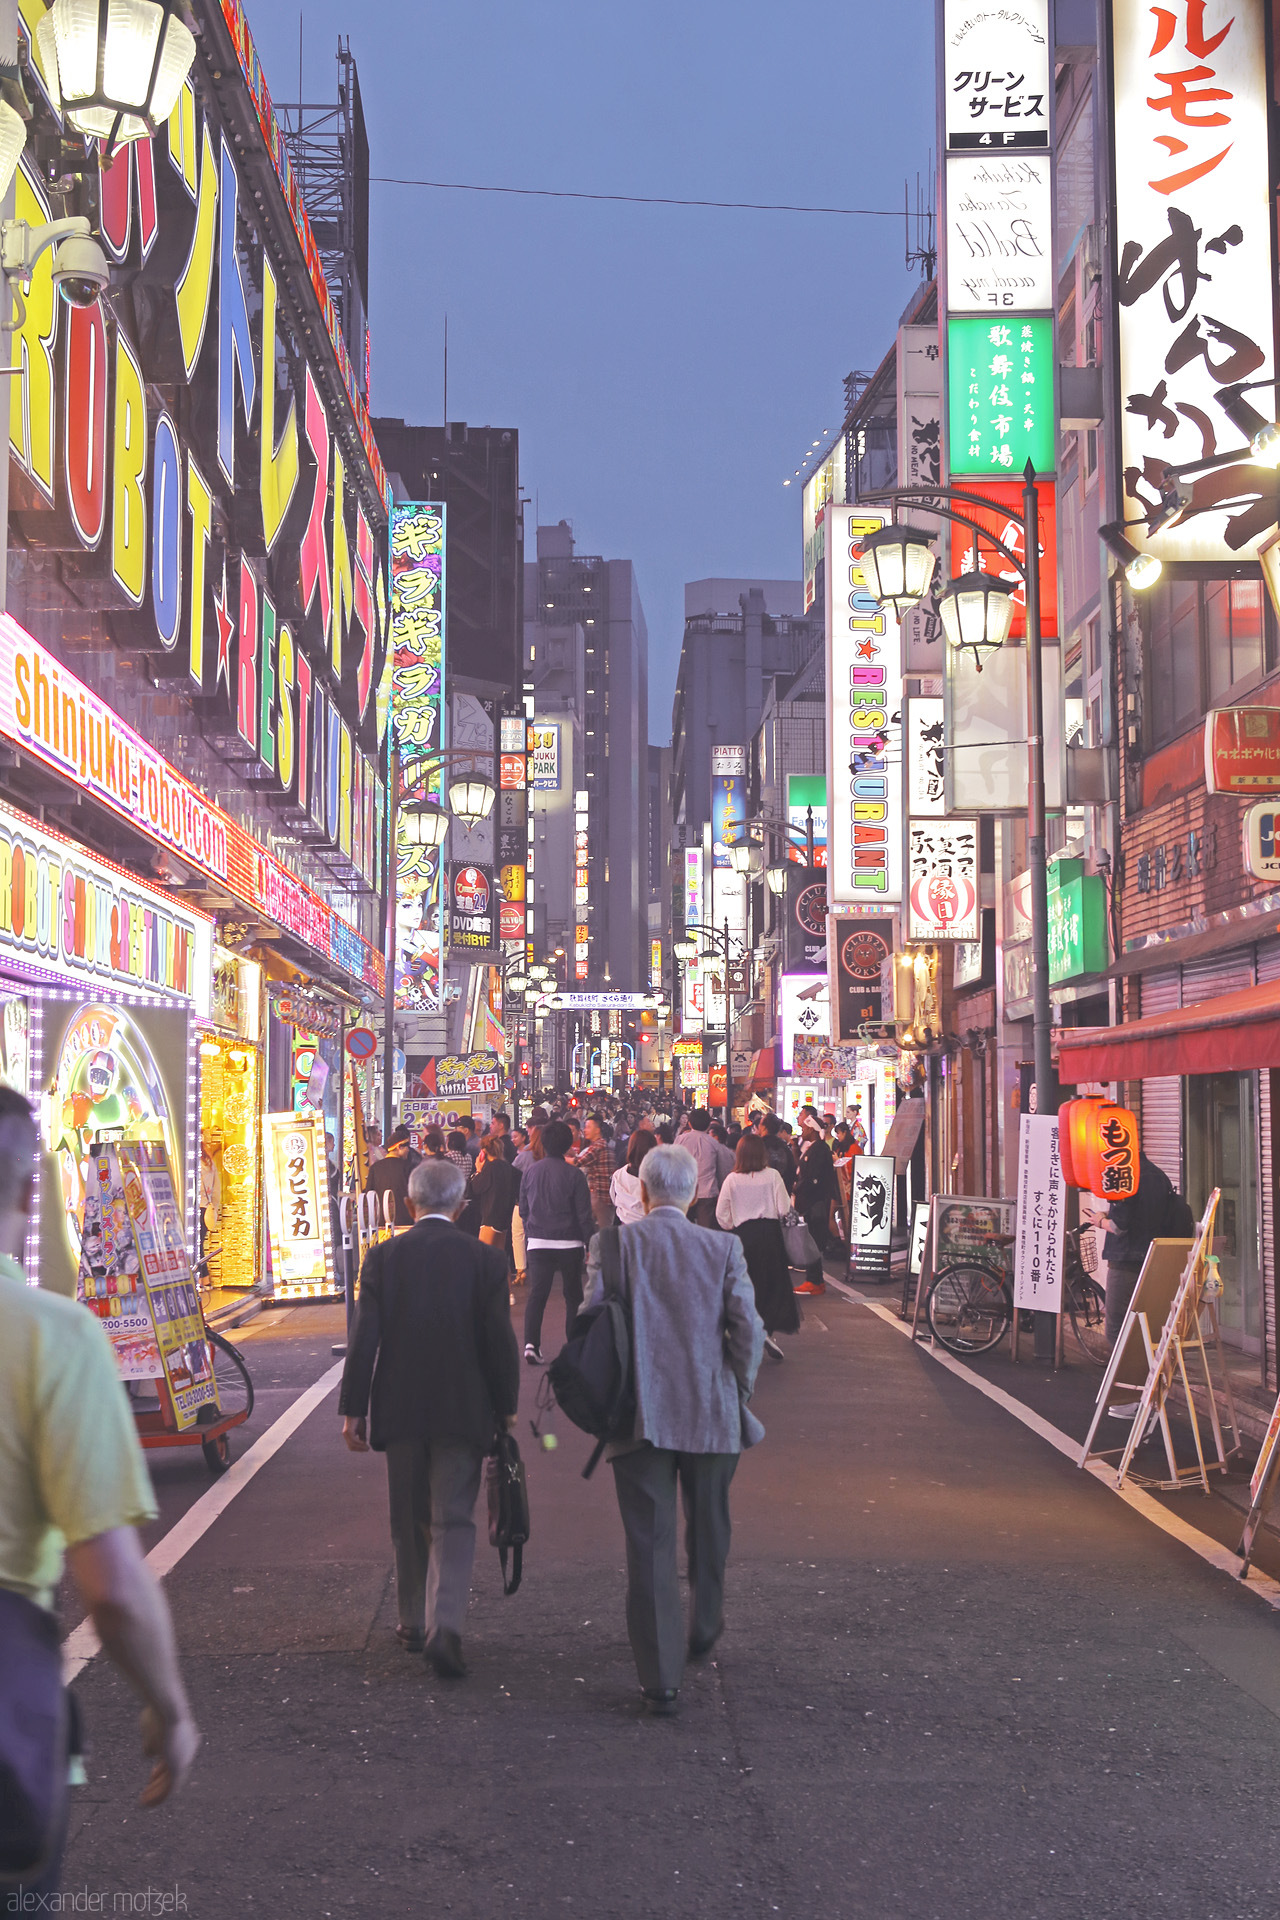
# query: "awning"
{"points": [[1234, 1033], [763, 1071]]}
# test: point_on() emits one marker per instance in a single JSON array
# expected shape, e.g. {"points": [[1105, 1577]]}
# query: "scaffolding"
{"points": [[329, 148]]}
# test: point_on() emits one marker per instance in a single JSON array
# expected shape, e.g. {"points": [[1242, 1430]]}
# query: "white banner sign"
{"points": [[999, 233], [1193, 241], [1042, 1215], [942, 880], [996, 75], [925, 758], [864, 708], [804, 1012]]}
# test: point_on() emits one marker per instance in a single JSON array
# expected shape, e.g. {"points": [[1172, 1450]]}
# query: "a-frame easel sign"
{"points": [[1261, 1487], [1186, 1302]]}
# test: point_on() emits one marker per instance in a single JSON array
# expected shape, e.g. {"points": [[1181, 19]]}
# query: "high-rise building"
{"points": [[738, 634], [586, 640]]}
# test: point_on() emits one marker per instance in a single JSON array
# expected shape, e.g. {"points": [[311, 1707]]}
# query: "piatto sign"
{"points": [[1242, 750], [193, 452]]}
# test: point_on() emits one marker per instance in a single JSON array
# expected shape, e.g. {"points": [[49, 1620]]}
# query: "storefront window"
{"points": [[1207, 641], [1221, 1135], [1233, 634]]}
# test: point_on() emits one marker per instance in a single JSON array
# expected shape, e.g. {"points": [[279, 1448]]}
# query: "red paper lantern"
{"points": [[1098, 1147]]}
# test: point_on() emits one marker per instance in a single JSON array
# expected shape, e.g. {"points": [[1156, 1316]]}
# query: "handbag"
{"points": [[33, 1737], [508, 1493], [802, 1249]]}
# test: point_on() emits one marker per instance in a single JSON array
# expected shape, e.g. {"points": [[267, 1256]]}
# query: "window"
{"points": [[1207, 641]]}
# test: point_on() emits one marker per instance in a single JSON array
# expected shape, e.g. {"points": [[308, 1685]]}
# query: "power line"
{"points": [[636, 199]]}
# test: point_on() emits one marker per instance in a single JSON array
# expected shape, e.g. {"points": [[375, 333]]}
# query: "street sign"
{"points": [[1261, 830], [362, 1043], [1242, 750], [600, 1002], [738, 983]]}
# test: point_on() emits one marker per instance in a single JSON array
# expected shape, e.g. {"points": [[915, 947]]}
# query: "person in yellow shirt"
{"points": [[74, 1486]]}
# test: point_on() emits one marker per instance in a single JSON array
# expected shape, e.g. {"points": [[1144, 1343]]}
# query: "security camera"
{"points": [[80, 270]]}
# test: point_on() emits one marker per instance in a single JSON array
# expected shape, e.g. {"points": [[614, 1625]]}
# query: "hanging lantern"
{"points": [[1102, 1151], [115, 68]]}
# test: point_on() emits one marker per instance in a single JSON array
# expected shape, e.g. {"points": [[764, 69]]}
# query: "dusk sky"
{"points": [[667, 367]]}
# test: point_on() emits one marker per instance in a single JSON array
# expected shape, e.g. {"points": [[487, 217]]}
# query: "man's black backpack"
{"points": [[592, 1377], [1179, 1222], [508, 1507]]}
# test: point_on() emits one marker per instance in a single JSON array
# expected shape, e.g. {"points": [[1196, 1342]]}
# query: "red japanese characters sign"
{"points": [[970, 553], [1098, 1143], [1242, 750], [1193, 243]]}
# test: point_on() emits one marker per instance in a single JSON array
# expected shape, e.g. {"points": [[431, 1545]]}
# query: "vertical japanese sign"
{"points": [[692, 1003], [512, 849], [581, 884], [920, 465], [728, 801], [1042, 1215], [1194, 273], [417, 714], [942, 878], [298, 1205], [996, 80], [871, 1205], [1000, 382], [864, 712], [925, 758]]}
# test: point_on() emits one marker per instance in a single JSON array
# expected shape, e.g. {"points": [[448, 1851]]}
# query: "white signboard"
{"points": [[999, 233], [1261, 828], [997, 81], [544, 756], [728, 761], [804, 1012], [1193, 241], [1042, 1214], [942, 880], [925, 759], [864, 709], [920, 465]]}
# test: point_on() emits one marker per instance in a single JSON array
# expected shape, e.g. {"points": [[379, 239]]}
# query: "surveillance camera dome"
{"points": [[80, 270]]}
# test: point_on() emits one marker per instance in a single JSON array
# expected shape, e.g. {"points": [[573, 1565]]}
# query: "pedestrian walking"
{"points": [[597, 1162], [73, 1489], [696, 1346], [432, 1372], [696, 1140], [624, 1188], [493, 1190], [753, 1203], [390, 1175], [555, 1205]]}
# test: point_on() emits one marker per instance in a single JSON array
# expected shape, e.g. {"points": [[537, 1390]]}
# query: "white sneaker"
{"points": [[533, 1356]]}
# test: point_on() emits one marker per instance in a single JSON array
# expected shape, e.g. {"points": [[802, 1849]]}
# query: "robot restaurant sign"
{"points": [[68, 914]]}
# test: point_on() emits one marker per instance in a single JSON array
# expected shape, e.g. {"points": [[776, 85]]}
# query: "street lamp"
{"points": [[777, 879], [899, 562], [423, 823], [976, 612], [114, 68], [471, 798], [712, 944], [1141, 570], [686, 951]]}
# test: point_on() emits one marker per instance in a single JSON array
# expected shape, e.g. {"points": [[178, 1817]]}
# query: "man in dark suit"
{"points": [[433, 1363]]}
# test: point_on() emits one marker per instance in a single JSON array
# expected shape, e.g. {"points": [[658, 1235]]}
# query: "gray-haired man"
{"points": [[433, 1363], [697, 1341]]}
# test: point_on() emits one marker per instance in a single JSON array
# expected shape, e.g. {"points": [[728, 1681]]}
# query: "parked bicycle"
{"points": [[969, 1306]]}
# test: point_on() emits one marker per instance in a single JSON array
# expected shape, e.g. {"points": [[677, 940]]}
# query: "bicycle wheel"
{"points": [[235, 1387], [969, 1309], [1087, 1305]]}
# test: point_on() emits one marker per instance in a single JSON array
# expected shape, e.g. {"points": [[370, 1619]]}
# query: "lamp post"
{"points": [[418, 821], [712, 943]]}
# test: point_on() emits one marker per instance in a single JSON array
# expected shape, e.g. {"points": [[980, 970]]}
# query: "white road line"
{"points": [[82, 1643], [1208, 1549]]}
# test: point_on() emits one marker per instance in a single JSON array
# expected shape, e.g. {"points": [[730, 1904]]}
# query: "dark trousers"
{"points": [[433, 1489], [1121, 1282], [703, 1213], [543, 1263], [646, 1481]]}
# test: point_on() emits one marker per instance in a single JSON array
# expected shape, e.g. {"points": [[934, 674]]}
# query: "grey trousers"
{"points": [[433, 1490], [646, 1481]]}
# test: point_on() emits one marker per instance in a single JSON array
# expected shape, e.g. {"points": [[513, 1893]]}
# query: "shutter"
{"points": [[1267, 1199], [1210, 979], [1161, 1116], [1268, 962]]}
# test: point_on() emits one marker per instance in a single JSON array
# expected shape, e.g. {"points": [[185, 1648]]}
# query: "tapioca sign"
{"points": [[179, 444]]}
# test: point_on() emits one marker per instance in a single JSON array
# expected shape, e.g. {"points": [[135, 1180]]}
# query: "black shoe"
{"points": [[532, 1355], [698, 1649], [443, 1651], [661, 1702], [412, 1639], [772, 1348]]}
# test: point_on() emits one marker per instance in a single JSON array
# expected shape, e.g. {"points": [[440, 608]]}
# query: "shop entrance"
{"points": [[1221, 1135]]}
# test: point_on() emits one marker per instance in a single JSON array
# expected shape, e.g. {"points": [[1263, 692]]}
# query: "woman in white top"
{"points": [[753, 1202], [624, 1188]]}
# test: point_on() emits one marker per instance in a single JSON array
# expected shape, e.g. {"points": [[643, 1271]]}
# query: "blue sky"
{"points": [[666, 367]]}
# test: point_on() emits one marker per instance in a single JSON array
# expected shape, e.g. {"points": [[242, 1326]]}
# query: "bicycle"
{"points": [[1085, 1301], [969, 1307]]}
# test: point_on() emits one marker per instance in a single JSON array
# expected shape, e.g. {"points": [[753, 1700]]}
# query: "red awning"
{"points": [[1231, 1034]]}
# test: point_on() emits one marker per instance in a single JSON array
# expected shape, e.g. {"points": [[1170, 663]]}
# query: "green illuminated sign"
{"points": [[1000, 392], [1077, 922]]}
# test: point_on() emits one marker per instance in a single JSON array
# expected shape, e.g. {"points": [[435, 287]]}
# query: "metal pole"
{"points": [[389, 1002], [1037, 867], [808, 830], [728, 1032]]}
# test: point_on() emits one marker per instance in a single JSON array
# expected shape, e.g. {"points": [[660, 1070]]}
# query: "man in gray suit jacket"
{"points": [[697, 1345]]}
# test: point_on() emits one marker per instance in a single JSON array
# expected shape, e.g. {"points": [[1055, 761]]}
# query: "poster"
{"points": [[871, 1207], [858, 946], [471, 904], [135, 1278], [1042, 1213], [942, 880], [805, 936], [966, 1230], [298, 1206]]}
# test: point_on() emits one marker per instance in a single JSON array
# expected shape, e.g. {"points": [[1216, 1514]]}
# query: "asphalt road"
{"points": [[960, 1680]]}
